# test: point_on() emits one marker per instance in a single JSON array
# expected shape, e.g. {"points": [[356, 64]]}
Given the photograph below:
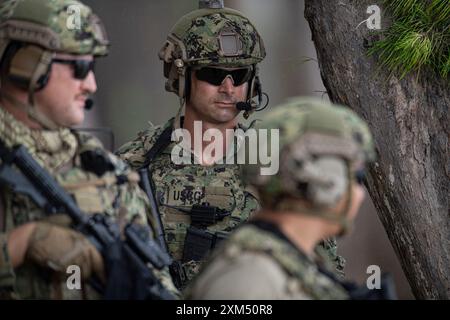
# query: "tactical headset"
{"points": [[227, 51], [27, 66]]}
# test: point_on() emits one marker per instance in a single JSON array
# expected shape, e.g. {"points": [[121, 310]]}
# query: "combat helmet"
{"points": [[31, 31], [211, 36], [322, 148]]}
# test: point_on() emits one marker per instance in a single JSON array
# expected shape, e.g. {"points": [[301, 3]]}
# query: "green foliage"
{"points": [[446, 67], [419, 37]]}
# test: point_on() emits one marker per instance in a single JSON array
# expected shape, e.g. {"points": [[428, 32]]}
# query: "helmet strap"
{"points": [[39, 116], [30, 109], [177, 121], [181, 81]]}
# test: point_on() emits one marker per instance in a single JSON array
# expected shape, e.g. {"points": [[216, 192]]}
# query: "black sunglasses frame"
{"points": [[81, 68], [216, 76]]}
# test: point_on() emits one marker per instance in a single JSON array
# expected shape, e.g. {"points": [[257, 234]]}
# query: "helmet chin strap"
{"points": [[342, 217], [39, 116], [345, 223], [177, 121], [181, 69], [31, 110]]}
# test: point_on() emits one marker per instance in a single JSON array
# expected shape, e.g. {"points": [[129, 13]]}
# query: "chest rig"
{"points": [[199, 205], [96, 181], [302, 274], [91, 177]]}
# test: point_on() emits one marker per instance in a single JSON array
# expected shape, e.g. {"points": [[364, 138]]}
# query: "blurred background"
{"points": [[131, 91]]}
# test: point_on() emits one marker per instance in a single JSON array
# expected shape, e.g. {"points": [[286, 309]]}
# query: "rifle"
{"points": [[146, 186], [386, 292], [128, 275], [175, 268], [357, 292]]}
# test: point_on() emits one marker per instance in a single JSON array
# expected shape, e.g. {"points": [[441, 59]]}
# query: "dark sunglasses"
{"points": [[80, 67], [215, 76]]}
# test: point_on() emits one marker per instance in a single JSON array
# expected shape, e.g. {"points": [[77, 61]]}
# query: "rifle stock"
{"points": [[147, 187]]}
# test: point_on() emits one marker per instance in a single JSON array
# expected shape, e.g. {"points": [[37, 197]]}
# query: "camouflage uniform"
{"points": [[259, 261], [182, 186], [206, 37], [220, 37], [101, 183], [59, 153]]}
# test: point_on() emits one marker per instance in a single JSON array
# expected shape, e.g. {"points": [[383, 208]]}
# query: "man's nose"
{"points": [[227, 85], [89, 83]]}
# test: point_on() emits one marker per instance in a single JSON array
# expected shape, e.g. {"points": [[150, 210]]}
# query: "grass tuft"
{"points": [[418, 38]]}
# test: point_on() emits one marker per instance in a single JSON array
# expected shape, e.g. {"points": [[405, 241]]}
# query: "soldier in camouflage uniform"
{"points": [[316, 194], [210, 61], [46, 78]]}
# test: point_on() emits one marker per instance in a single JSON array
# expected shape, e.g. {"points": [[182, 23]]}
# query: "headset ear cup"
{"points": [[330, 190], [323, 181], [30, 68], [256, 89], [42, 72]]}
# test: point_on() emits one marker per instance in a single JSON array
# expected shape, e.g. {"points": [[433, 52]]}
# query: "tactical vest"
{"points": [[306, 274], [199, 205], [91, 177]]}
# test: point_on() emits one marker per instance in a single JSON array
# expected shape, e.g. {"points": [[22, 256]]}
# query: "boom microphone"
{"points": [[88, 104], [243, 106]]}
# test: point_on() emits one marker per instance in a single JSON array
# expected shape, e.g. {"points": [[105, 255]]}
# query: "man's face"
{"points": [[63, 98], [215, 104]]}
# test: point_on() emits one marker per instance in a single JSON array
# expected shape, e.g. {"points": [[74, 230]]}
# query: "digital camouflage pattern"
{"points": [[220, 37], [182, 186], [201, 31], [59, 153], [54, 25], [224, 277]]}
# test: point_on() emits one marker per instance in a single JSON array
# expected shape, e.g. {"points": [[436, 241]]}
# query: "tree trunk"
{"points": [[409, 120]]}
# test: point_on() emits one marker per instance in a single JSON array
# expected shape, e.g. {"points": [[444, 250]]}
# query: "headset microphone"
{"points": [[88, 104], [244, 106]]}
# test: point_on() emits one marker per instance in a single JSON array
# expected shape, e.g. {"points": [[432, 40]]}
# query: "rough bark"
{"points": [[409, 119]]}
